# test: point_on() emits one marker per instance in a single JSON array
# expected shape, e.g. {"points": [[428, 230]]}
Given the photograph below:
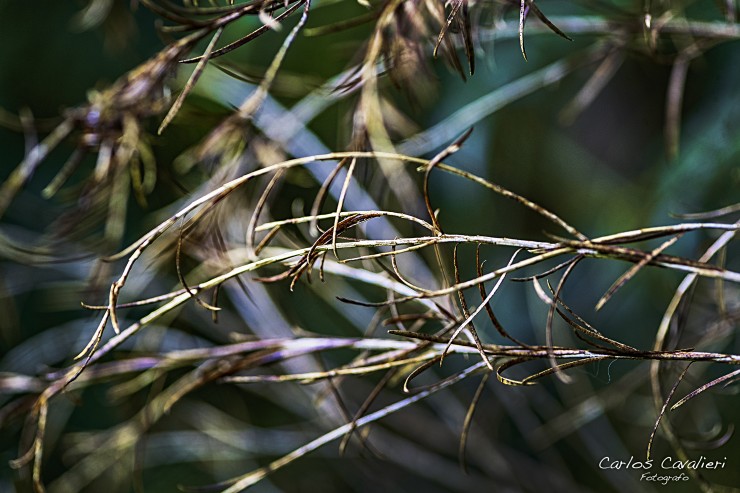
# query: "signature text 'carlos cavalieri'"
{"points": [[673, 468], [668, 463]]}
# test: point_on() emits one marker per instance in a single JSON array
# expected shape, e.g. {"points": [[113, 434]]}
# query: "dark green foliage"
{"points": [[284, 235]]}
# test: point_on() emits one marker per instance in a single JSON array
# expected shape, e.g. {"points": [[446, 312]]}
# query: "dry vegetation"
{"points": [[367, 233]]}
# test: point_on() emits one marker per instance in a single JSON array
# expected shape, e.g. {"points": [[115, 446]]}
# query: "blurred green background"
{"points": [[605, 172]]}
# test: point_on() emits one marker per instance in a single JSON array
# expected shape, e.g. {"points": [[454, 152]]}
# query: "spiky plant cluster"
{"points": [[279, 226]]}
